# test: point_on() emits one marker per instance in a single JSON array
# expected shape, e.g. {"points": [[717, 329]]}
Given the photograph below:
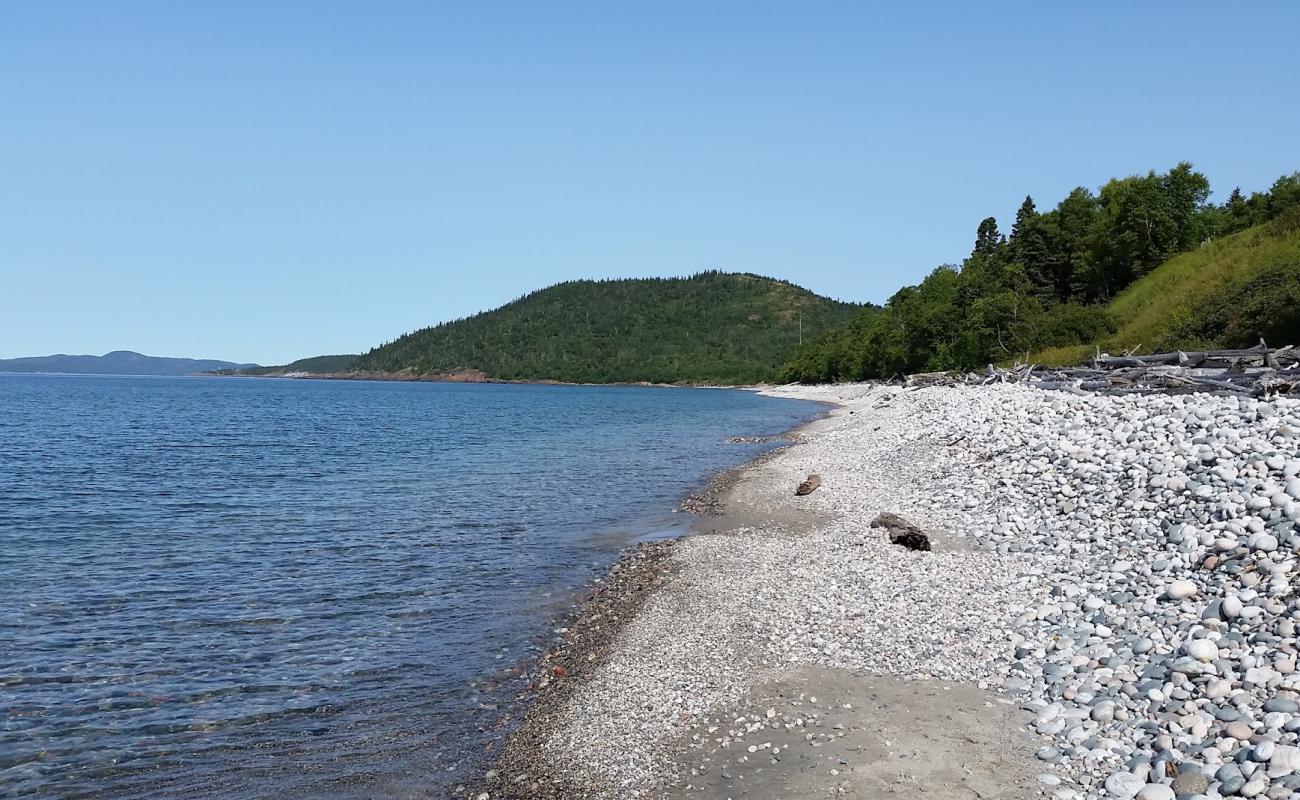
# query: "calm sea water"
{"points": [[261, 588]]}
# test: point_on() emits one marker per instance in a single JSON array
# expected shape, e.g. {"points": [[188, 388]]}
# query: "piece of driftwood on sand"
{"points": [[809, 485]]}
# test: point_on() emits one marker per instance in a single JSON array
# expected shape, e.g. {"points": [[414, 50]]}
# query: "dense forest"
{"points": [[713, 327], [1059, 279]]}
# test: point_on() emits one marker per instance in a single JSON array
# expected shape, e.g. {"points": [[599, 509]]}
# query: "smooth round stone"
{"points": [[1228, 772], [1263, 542], [1274, 720], [1262, 752], [1103, 712], [1232, 786], [1230, 608], [1239, 730], [1190, 783], [1281, 704], [1202, 650], [1254, 788], [1217, 689], [1124, 785], [1155, 791], [1224, 713], [1181, 590], [1285, 760]]}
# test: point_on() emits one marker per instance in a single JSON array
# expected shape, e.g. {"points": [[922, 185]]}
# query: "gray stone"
{"points": [[1124, 785], [1189, 783]]}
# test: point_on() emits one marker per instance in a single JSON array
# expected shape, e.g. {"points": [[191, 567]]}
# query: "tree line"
{"points": [[1045, 284]]}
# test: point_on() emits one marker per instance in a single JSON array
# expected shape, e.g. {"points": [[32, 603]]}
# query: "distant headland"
{"points": [[118, 362]]}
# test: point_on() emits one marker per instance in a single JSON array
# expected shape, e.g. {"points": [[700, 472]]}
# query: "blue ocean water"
{"points": [[275, 588]]}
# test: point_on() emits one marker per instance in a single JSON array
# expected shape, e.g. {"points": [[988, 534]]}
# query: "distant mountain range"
{"points": [[118, 362]]}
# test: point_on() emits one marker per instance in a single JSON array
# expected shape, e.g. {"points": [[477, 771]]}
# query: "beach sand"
{"points": [[729, 663]]}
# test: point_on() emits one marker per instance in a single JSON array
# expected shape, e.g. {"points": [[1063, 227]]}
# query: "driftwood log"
{"points": [[901, 532], [809, 485], [1258, 371]]}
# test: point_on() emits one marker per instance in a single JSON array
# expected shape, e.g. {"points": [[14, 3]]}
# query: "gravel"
{"points": [[1124, 566]]}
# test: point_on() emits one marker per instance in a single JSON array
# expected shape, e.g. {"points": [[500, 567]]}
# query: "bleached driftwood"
{"points": [[1257, 371]]}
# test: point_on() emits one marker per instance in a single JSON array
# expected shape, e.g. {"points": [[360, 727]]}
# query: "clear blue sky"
{"points": [[269, 180]]}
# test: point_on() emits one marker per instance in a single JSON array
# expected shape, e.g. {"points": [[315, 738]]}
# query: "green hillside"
{"points": [[1146, 261], [1228, 293], [709, 328]]}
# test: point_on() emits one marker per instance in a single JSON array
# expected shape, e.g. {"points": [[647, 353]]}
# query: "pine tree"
{"points": [[987, 239], [1025, 216]]}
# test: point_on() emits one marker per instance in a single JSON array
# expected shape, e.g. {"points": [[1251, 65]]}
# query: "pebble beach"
{"points": [[1108, 611]]}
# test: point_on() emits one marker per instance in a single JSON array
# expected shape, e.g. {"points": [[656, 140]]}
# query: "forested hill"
{"points": [[1146, 262], [713, 327]]}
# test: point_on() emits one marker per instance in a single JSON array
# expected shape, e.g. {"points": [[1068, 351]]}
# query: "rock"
{"points": [[1181, 590], [1189, 783], [1260, 676], [1103, 712], [1284, 761], [1217, 689], [1202, 650], [1253, 788], [1227, 772], [1281, 704], [1124, 785], [1238, 730], [1264, 542], [1155, 791]]}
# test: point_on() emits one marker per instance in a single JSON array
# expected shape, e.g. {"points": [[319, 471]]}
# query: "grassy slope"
{"points": [[709, 328], [1153, 309]]}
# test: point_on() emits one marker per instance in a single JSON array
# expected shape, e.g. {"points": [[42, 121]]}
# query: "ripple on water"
{"points": [[247, 588]]}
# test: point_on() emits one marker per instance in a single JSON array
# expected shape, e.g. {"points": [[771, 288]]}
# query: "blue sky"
{"points": [[265, 181]]}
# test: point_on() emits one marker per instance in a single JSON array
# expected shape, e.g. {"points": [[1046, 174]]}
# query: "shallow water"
{"points": [[262, 588]]}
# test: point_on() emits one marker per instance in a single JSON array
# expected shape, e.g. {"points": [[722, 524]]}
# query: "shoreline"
{"points": [[1107, 611], [473, 377], [594, 623]]}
